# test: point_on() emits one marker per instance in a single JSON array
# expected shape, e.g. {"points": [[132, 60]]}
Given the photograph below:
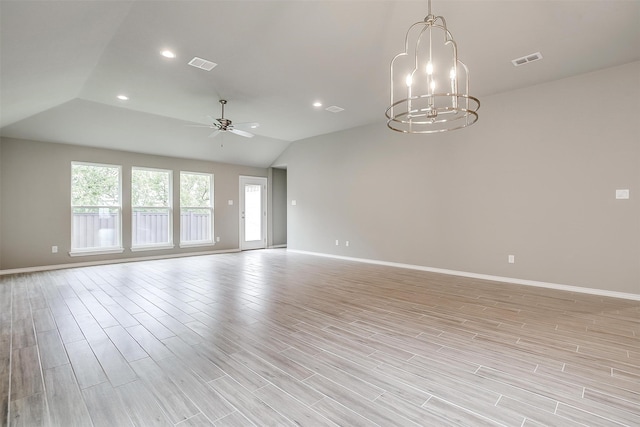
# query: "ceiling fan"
{"points": [[226, 125]]}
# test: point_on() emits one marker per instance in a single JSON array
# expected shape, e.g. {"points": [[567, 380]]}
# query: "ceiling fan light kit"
{"points": [[429, 85]]}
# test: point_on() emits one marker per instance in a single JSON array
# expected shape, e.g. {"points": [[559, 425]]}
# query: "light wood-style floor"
{"points": [[272, 338]]}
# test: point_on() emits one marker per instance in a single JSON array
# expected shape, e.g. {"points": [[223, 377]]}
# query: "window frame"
{"points": [[96, 250], [211, 240], [153, 246]]}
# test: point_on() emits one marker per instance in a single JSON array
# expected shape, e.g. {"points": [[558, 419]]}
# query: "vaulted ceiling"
{"points": [[62, 64]]}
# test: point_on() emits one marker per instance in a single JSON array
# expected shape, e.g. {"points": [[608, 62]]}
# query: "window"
{"points": [[196, 208], [151, 204], [96, 208]]}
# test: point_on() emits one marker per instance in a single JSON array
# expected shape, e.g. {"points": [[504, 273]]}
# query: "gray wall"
{"points": [[0, 202], [535, 177], [279, 200], [36, 187]]}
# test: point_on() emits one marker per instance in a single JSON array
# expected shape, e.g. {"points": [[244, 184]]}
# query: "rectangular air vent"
{"points": [[334, 109], [527, 59], [203, 64]]}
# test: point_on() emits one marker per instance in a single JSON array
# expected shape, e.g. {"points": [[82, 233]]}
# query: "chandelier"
{"points": [[429, 84]]}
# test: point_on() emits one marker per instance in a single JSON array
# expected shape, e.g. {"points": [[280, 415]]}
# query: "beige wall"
{"points": [[535, 177], [35, 209]]}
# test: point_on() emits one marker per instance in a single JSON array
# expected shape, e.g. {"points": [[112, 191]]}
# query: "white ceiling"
{"points": [[62, 63]]}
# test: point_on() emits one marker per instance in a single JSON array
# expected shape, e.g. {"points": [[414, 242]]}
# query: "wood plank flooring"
{"points": [[272, 338]]}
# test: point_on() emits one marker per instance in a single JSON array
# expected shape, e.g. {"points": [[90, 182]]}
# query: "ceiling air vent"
{"points": [[334, 109], [203, 64], [526, 59]]}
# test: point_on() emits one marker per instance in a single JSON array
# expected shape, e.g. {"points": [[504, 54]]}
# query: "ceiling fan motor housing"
{"points": [[224, 123]]}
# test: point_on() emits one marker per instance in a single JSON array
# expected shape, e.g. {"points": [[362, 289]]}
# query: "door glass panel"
{"points": [[252, 212]]}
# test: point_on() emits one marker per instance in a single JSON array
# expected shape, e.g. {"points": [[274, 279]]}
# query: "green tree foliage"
{"points": [[150, 188], [98, 185], [195, 190], [93, 185]]}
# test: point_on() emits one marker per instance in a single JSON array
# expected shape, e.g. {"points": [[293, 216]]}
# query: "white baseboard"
{"points": [[111, 261], [569, 288], [277, 246], [601, 292]]}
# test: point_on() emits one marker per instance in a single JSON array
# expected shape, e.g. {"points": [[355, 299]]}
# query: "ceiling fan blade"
{"points": [[241, 133], [214, 133], [200, 126], [247, 125]]}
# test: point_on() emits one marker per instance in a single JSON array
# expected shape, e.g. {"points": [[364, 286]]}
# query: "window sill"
{"points": [[89, 252], [197, 244], [151, 248]]}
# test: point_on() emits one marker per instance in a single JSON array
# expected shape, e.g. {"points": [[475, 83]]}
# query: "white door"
{"points": [[253, 213]]}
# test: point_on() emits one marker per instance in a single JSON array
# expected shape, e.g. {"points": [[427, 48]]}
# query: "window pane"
{"points": [[150, 226], [151, 207], [195, 190], [195, 225], [150, 188], [196, 202], [96, 212], [95, 228], [252, 212], [95, 185]]}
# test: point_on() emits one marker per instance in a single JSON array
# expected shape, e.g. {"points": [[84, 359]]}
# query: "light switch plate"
{"points": [[622, 194], [293, 203], [230, 202]]}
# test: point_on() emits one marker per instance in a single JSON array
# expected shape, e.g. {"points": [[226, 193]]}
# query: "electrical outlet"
{"points": [[512, 259], [337, 243], [346, 243], [54, 249], [218, 239]]}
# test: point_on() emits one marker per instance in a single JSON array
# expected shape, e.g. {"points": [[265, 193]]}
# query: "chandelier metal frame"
{"points": [[429, 111]]}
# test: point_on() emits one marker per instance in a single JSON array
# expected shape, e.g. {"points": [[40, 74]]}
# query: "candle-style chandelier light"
{"points": [[429, 84]]}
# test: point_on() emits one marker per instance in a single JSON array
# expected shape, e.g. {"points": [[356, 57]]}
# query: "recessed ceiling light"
{"points": [[317, 104], [168, 54], [123, 97]]}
